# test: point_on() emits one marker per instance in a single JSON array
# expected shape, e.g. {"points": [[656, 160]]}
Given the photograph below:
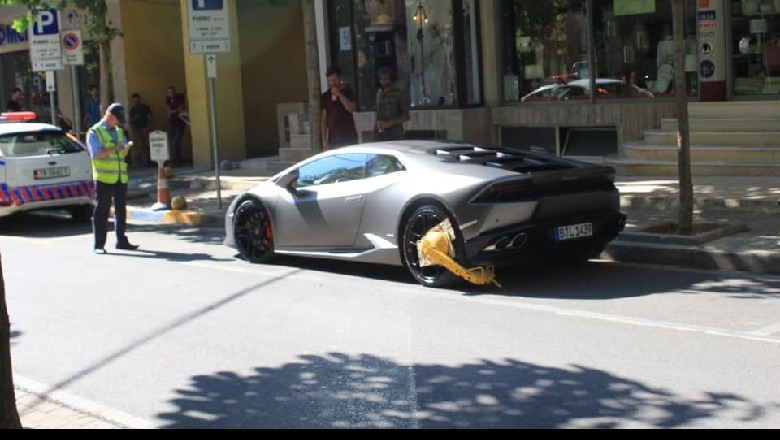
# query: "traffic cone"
{"points": [[163, 191]]}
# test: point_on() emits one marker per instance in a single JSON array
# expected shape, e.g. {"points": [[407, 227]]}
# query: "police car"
{"points": [[43, 167]]}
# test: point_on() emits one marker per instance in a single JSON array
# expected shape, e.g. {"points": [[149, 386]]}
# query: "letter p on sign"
{"points": [[46, 22]]}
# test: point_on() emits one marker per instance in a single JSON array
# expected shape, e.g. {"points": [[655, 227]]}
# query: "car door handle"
{"points": [[354, 199]]}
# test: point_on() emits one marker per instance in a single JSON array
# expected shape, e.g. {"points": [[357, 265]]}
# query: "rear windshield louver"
{"points": [[517, 161]]}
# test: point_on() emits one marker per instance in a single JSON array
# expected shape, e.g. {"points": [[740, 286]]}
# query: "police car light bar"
{"points": [[17, 116]]}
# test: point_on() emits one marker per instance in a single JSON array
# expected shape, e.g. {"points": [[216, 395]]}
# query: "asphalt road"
{"points": [[183, 335]]}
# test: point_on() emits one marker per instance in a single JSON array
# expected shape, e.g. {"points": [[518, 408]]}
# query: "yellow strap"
{"points": [[435, 246]]}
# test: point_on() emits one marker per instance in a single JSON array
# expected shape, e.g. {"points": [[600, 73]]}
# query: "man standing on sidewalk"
{"points": [[108, 147], [392, 108]]}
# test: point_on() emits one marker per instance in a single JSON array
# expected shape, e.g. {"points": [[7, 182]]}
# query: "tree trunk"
{"points": [[685, 210], [314, 86], [100, 15], [9, 415]]}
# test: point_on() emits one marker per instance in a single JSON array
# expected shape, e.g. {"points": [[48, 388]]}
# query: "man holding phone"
{"points": [[108, 146], [337, 125]]}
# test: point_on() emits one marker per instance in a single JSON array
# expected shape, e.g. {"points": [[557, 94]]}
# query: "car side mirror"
{"points": [[288, 181]]}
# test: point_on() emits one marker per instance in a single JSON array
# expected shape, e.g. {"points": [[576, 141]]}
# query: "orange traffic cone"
{"points": [[163, 191]]}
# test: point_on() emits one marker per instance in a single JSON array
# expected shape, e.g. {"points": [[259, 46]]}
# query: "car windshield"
{"points": [[37, 143]]}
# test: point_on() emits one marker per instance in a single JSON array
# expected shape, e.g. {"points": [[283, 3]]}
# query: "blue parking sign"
{"points": [[207, 5], [46, 22]]}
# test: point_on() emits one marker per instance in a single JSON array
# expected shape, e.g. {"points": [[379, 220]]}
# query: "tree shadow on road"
{"points": [[342, 391]]}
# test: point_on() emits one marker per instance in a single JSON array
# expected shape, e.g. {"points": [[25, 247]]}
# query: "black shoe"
{"points": [[127, 246], [99, 250]]}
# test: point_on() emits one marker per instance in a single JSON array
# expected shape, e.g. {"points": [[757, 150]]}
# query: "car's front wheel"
{"points": [[253, 232], [417, 225]]}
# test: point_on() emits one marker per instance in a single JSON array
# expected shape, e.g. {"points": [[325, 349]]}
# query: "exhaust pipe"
{"points": [[518, 241]]}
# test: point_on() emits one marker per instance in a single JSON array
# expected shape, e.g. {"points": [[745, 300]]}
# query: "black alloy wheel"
{"points": [[253, 232], [417, 225]]}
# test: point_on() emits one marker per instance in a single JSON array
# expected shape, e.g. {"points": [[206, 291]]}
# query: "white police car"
{"points": [[43, 167]]}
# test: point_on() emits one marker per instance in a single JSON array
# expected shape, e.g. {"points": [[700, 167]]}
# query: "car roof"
{"points": [[489, 159], [26, 127]]}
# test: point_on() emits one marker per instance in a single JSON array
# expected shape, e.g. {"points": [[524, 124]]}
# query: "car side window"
{"points": [[332, 169], [381, 164]]}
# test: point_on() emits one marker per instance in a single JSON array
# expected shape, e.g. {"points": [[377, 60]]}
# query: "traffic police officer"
{"points": [[108, 146]]}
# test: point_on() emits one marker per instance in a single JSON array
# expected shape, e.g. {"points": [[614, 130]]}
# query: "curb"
{"points": [[667, 203], [695, 257]]}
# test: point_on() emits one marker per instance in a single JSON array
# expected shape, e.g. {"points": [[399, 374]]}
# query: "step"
{"points": [[725, 125], [734, 109], [736, 138], [265, 165], [710, 153], [637, 167], [293, 154]]}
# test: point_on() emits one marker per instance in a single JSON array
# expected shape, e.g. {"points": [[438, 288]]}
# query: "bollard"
{"points": [[163, 191]]}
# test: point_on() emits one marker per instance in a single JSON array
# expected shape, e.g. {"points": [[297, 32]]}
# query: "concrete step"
{"points": [[647, 167], [735, 138], [725, 125], [292, 154], [734, 110], [265, 165], [713, 153]]}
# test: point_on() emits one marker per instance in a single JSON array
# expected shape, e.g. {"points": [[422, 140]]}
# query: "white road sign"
{"points": [[211, 66], [73, 47], [45, 45], [158, 147], [209, 26]]}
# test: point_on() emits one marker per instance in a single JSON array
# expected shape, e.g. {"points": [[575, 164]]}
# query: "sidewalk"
{"points": [[751, 205]]}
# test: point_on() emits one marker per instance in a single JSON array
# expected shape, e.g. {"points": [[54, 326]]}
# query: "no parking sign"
{"points": [[73, 48]]}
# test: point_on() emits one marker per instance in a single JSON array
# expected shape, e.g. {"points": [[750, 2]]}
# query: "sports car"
{"points": [[374, 202]]}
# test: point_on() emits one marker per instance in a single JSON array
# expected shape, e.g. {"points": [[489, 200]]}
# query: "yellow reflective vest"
{"points": [[113, 168]]}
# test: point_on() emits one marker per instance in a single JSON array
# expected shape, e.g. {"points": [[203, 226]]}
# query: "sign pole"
{"points": [[76, 100], [213, 111], [54, 121], [51, 87]]}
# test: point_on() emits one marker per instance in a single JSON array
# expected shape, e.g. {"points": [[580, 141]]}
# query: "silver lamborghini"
{"points": [[374, 202]]}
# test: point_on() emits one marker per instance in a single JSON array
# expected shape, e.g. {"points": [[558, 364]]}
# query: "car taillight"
{"points": [[17, 116], [509, 191]]}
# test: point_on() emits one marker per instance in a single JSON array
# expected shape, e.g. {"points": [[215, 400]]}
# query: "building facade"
{"points": [[572, 77]]}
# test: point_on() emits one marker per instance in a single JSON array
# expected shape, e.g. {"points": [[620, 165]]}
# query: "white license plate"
{"points": [[573, 231], [51, 173]]}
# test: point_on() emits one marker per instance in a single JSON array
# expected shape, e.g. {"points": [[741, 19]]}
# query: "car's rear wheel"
{"points": [[253, 232], [417, 225], [82, 213]]}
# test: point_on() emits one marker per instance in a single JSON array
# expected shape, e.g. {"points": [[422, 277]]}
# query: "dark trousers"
{"points": [[176, 133], [104, 194]]}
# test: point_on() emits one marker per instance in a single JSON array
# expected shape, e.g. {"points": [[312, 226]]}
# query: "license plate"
{"points": [[573, 231], [51, 173]]}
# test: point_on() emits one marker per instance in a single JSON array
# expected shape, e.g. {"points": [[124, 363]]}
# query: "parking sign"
{"points": [[45, 45], [209, 26], [207, 5]]}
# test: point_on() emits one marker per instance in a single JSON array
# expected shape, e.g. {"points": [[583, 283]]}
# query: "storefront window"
{"points": [[756, 47], [634, 42], [547, 49], [416, 39]]}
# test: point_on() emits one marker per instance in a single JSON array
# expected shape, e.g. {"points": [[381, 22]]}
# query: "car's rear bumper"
{"points": [[530, 242]]}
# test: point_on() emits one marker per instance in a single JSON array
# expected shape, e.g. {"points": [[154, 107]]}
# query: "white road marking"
{"points": [[768, 330]]}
